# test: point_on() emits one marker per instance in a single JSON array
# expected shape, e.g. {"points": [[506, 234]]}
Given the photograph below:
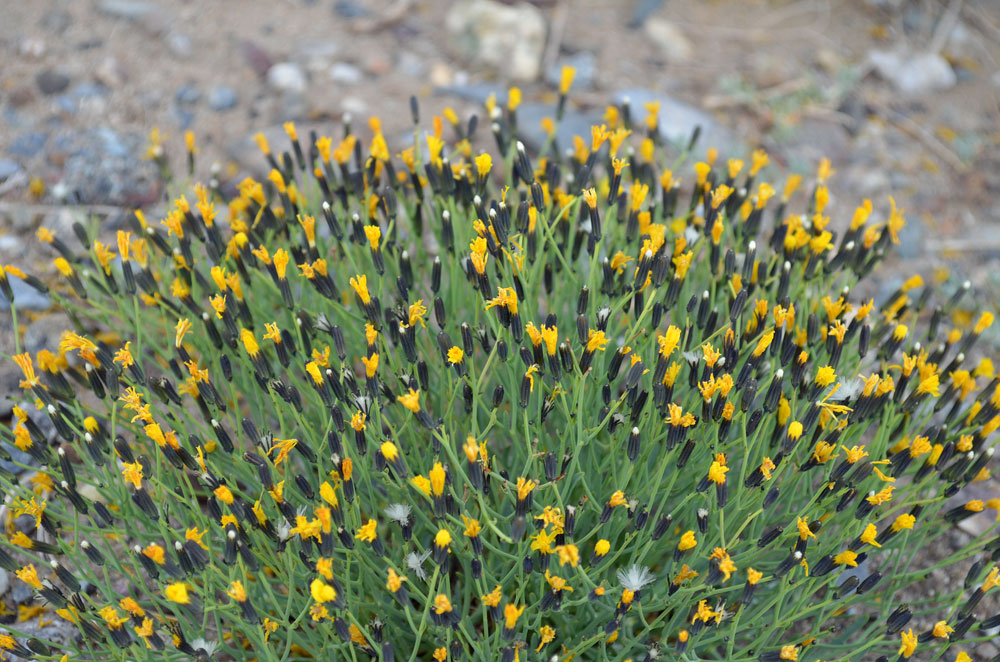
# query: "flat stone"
{"points": [[110, 72], [28, 145], [585, 64], [130, 9], [149, 16], [258, 59], [17, 456], [187, 95], [677, 120], [89, 90], [507, 38], [345, 73], [287, 77], [180, 44], [669, 39], [8, 169], [247, 155], [25, 296], [44, 332], [914, 73], [102, 166], [222, 97], [529, 117], [57, 21], [349, 9], [51, 81], [21, 592]]}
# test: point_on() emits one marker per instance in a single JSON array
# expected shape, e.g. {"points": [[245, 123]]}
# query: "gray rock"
{"points": [[132, 10], [287, 77], [51, 81], [10, 380], [315, 55], [529, 117], [4, 582], [222, 97], [110, 72], [184, 117], [475, 92], [345, 73], [147, 15], [101, 166], [585, 64], [669, 39], [247, 155], [911, 238], [914, 73], [349, 9], [66, 104], [258, 59], [17, 456], [180, 44], [28, 145], [57, 20], [45, 331], [88, 90], [21, 592], [187, 95], [411, 65], [25, 296], [8, 169], [507, 38], [677, 119]]}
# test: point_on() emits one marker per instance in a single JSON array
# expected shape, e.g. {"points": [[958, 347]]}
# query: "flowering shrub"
{"points": [[432, 406]]}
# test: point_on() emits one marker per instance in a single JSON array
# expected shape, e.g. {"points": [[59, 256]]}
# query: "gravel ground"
{"points": [[901, 95]]}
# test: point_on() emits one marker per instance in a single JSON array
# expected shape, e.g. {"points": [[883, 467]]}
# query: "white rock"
{"points": [[914, 73], [669, 39], [287, 77], [509, 38], [343, 72]]}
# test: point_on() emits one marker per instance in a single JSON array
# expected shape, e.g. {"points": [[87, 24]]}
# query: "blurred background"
{"points": [[901, 96]]}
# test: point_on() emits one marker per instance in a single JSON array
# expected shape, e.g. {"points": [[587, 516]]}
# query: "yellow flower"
{"points": [[825, 376], [596, 340], [717, 473], [510, 615], [566, 79], [132, 472], [455, 354], [177, 592], [908, 643], [688, 541], [29, 575], [846, 557], [371, 365], [568, 554], [411, 400], [941, 629], [442, 605], [484, 163], [984, 322], [237, 592], [869, 535], [360, 285], [321, 591], [367, 532]]}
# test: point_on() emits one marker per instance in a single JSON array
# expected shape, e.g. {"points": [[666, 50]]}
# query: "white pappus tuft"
{"points": [[635, 577]]}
